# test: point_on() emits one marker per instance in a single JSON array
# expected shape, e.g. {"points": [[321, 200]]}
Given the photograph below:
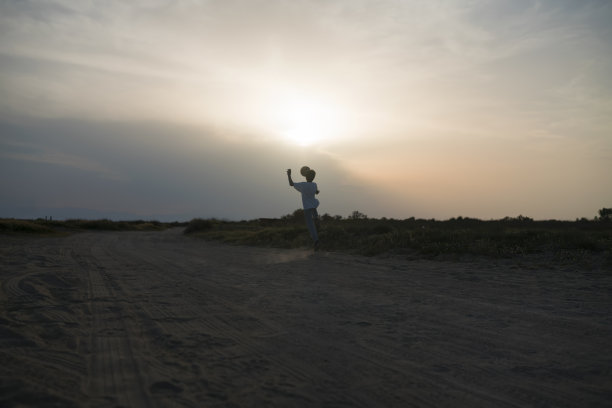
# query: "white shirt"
{"points": [[308, 191]]}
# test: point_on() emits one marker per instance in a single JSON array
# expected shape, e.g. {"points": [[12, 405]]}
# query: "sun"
{"points": [[306, 121]]}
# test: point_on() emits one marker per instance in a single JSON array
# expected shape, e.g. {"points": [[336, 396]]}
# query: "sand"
{"points": [[157, 319]]}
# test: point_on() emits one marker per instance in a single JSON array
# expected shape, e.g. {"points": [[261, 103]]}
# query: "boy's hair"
{"points": [[310, 175]]}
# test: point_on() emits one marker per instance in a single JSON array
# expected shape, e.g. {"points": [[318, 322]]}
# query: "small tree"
{"points": [[295, 217], [356, 215], [605, 214]]}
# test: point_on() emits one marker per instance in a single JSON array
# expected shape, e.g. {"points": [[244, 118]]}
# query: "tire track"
{"points": [[115, 377], [223, 324], [228, 323], [158, 319], [40, 312]]}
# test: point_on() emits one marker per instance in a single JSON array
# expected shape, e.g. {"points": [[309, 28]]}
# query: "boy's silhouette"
{"points": [[309, 202]]}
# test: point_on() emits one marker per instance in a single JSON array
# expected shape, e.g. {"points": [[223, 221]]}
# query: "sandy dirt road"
{"points": [[139, 319]]}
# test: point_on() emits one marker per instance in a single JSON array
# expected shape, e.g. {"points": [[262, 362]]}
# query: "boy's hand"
{"points": [[289, 172]]}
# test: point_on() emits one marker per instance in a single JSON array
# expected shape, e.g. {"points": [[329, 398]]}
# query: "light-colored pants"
{"points": [[311, 215]]}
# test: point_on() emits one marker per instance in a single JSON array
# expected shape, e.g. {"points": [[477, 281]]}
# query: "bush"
{"points": [[198, 225], [456, 237], [24, 226], [605, 214]]}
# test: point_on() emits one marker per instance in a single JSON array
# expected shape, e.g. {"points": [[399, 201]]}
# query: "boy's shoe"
{"points": [[316, 245]]}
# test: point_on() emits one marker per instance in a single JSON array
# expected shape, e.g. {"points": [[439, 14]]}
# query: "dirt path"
{"points": [[137, 319]]}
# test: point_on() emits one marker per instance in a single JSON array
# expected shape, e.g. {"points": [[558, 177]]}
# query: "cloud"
{"points": [[157, 96], [61, 159], [211, 62], [160, 168]]}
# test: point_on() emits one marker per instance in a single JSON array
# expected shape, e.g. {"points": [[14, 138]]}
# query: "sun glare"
{"points": [[306, 121]]}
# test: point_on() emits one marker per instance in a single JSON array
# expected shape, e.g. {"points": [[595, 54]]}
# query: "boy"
{"points": [[309, 202]]}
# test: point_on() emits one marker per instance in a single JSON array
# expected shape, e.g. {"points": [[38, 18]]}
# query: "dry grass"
{"points": [[47, 227], [457, 237]]}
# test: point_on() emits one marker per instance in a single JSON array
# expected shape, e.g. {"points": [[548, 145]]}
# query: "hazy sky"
{"points": [[424, 108]]}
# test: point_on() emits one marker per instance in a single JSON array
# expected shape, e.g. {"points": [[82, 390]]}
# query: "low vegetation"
{"points": [[452, 238], [359, 234], [49, 227], [10, 225]]}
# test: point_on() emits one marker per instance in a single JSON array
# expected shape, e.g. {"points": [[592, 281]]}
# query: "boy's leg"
{"points": [[310, 214]]}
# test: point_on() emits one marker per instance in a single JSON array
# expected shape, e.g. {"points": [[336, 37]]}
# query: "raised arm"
{"points": [[289, 177]]}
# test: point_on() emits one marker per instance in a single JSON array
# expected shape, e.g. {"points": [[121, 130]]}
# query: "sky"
{"points": [[405, 108]]}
